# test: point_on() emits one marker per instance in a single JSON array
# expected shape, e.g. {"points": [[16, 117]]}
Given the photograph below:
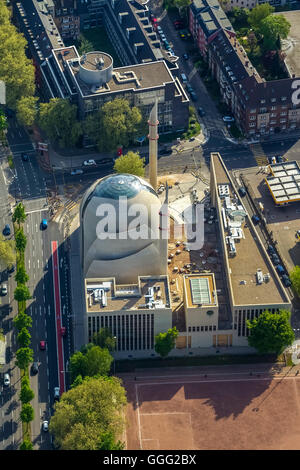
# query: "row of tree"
{"points": [[23, 322]]}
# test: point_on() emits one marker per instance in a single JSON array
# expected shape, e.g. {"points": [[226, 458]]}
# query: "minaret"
{"points": [[153, 138]]}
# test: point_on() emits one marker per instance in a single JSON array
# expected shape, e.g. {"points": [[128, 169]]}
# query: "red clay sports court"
{"points": [[232, 411]]}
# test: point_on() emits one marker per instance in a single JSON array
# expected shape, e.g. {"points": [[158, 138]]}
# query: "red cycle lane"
{"points": [[58, 319]]}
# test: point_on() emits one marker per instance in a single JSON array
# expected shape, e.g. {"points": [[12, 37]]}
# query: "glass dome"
{"points": [[116, 186]]}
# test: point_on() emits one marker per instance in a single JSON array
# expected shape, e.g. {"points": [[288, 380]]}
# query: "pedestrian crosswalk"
{"points": [[259, 154]]}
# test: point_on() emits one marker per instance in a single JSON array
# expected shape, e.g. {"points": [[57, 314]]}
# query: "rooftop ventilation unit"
{"points": [[267, 277]]}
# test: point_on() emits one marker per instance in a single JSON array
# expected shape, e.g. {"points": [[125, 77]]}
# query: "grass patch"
{"points": [[10, 161], [131, 365], [194, 126]]}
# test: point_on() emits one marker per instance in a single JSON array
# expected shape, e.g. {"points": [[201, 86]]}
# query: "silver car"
{"points": [[6, 380], [45, 426], [4, 289]]}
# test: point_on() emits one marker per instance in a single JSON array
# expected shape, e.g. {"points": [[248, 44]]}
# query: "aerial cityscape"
{"points": [[150, 235]]}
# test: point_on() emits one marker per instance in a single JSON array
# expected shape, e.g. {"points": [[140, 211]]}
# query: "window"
{"points": [[202, 328], [283, 114], [262, 101], [206, 328], [252, 118], [273, 100], [194, 328], [273, 114], [273, 108], [283, 98], [210, 328], [263, 110], [198, 328], [282, 120], [252, 110], [190, 329], [252, 124]]}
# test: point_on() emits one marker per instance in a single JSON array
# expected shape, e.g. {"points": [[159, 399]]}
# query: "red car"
{"points": [[42, 345]]}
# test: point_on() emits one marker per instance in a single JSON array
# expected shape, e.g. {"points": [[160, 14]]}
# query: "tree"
{"points": [[95, 361], [130, 163], [107, 442], [24, 357], [87, 411], [58, 119], [272, 27], [271, 332], [258, 14], [22, 293], [7, 252], [27, 110], [240, 16], [21, 277], [295, 279], [104, 339], [22, 321], [21, 240], [3, 124], [85, 45], [24, 337], [26, 394], [26, 445], [116, 123], [165, 342], [27, 413], [19, 214]]}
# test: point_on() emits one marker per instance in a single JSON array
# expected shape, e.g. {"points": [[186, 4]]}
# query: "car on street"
{"points": [[24, 157], [255, 219], [286, 280], [90, 162], [76, 172], [275, 259], [6, 230], [45, 426], [159, 29], [44, 224], [56, 393], [183, 78], [6, 380], [228, 119], [42, 345], [270, 249], [280, 269], [193, 96], [34, 368], [201, 111], [3, 289], [189, 88], [242, 191], [186, 56]]}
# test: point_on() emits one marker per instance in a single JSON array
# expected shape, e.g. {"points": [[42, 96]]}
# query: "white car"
{"points": [[6, 380], [4, 289], [228, 119], [45, 426], [56, 393], [89, 163]]}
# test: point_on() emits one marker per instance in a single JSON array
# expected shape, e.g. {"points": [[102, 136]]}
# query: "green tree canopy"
{"points": [[85, 45], [21, 276], [22, 293], [258, 14], [130, 163], [165, 342], [240, 17], [26, 445], [26, 394], [19, 214], [24, 357], [20, 239], [104, 339], [87, 411], [271, 332], [7, 252], [272, 27], [22, 320], [27, 413], [58, 118], [24, 338], [107, 441], [95, 361], [27, 110], [295, 279]]}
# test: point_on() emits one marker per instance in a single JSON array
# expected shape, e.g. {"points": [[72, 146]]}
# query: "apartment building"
{"points": [[229, 4], [67, 20]]}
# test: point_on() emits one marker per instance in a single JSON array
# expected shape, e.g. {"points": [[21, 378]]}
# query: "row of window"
{"points": [[202, 328], [241, 316]]}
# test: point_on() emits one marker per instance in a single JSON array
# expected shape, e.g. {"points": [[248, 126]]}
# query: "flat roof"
{"points": [[291, 45], [150, 293], [249, 257], [200, 290], [284, 182], [131, 77], [91, 60]]}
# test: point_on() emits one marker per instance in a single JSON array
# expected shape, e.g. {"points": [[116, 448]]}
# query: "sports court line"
{"points": [[215, 381], [139, 418], [203, 374], [166, 413]]}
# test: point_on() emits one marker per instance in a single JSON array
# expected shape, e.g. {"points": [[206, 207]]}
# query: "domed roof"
{"points": [[116, 186]]}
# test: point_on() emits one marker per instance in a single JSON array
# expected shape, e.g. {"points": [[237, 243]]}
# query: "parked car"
{"points": [[286, 280], [44, 224], [242, 191], [193, 96], [63, 331], [275, 259], [4, 289], [89, 163], [228, 119], [56, 393], [34, 368], [189, 88], [159, 29], [183, 78], [186, 56], [24, 157], [270, 249], [45, 426], [76, 172], [42, 345], [6, 230], [255, 219], [6, 380], [280, 269], [201, 111]]}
